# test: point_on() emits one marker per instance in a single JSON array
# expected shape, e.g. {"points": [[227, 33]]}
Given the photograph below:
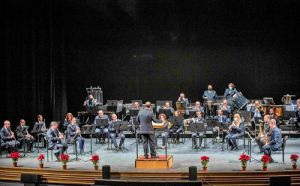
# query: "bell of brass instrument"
{"points": [[262, 135]]}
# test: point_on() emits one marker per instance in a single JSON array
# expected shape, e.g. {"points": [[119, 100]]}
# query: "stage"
{"points": [[183, 155]]}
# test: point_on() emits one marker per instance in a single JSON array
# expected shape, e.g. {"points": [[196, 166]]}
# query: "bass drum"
{"points": [[279, 110], [239, 101]]}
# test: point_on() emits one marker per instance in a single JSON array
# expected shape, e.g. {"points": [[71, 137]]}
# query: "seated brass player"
{"points": [[23, 135], [55, 140], [8, 139], [177, 126], [200, 121], [113, 133], [235, 130], [262, 136]]}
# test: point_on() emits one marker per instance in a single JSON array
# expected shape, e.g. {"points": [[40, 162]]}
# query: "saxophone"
{"points": [[262, 135]]}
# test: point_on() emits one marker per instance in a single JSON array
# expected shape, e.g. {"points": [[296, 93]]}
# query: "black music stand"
{"points": [[133, 113], [223, 126], [112, 105], [211, 123], [167, 112], [287, 115], [100, 123], [192, 113], [37, 129], [160, 103], [139, 101], [117, 125]]}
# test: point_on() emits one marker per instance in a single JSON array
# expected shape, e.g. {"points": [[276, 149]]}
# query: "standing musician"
{"points": [[73, 135], [177, 126], [68, 120], [235, 130], [183, 99], [90, 104], [209, 94], [145, 118], [230, 92], [114, 133], [103, 131], [23, 135], [8, 138], [275, 142], [262, 136], [298, 115], [55, 140], [199, 120]]}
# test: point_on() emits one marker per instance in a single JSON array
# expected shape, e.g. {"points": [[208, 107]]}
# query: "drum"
{"points": [[279, 110], [239, 101]]}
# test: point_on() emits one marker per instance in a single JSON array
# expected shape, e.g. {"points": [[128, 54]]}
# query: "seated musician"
{"points": [[209, 94], [298, 115], [101, 131], [39, 129], [183, 99], [197, 107], [221, 117], [200, 120], [8, 139], [68, 120], [135, 106], [226, 108], [257, 110], [168, 106], [177, 126], [262, 135], [115, 133], [73, 134], [235, 130], [275, 142], [55, 140], [230, 91], [23, 135], [166, 126]]}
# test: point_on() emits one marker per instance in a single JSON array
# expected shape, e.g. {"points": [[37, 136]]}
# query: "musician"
{"points": [[23, 135], [273, 115], [275, 142], [90, 105], [135, 106], [55, 140], [39, 129], [261, 138], [201, 121], [177, 126], [73, 135], [99, 131], [115, 133], [257, 110], [226, 108], [298, 115], [166, 126], [8, 138], [221, 117], [145, 118], [183, 99], [209, 94], [68, 119], [168, 106], [230, 91], [197, 107], [235, 130]]}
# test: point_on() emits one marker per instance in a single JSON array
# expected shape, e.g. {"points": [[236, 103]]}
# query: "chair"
{"points": [[74, 143], [283, 145]]}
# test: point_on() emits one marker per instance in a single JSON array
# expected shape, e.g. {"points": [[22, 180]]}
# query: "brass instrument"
{"points": [[262, 135]]}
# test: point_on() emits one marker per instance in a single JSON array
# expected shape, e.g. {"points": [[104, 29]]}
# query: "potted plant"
{"points": [[41, 159], [15, 157], [95, 160], [244, 158], [64, 159], [204, 162], [265, 159], [294, 158]]}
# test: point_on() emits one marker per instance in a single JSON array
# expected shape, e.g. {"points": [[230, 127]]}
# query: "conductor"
{"points": [[145, 118]]}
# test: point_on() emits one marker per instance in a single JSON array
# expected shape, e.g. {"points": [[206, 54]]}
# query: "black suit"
{"points": [[6, 139], [21, 133], [55, 142], [145, 118]]}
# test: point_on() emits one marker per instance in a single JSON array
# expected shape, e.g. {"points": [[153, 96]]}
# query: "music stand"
{"points": [[133, 113], [112, 105], [139, 101], [198, 128], [180, 105], [37, 129], [223, 126], [289, 114], [160, 103], [192, 113], [116, 127], [167, 112], [268, 101]]}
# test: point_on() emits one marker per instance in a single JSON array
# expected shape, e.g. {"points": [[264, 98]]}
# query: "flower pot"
{"points": [[244, 168], [264, 168], [15, 164], [204, 168], [64, 167], [96, 167], [294, 167], [41, 165]]}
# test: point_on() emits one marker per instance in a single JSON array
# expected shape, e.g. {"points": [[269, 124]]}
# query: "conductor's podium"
{"points": [[162, 162]]}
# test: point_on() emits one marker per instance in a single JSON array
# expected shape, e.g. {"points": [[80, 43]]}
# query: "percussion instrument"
{"points": [[239, 101], [287, 99], [279, 110]]}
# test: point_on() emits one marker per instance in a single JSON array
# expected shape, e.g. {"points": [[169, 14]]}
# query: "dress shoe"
{"points": [[154, 157], [146, 156]]}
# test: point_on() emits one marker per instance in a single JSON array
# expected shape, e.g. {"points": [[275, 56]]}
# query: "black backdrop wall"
{"points": [[143, 50]]}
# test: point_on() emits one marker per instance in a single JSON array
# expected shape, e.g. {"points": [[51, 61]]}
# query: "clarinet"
{"points": [[73, 139]]}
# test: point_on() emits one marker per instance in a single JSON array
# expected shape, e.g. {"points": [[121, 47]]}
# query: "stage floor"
{"points": [[183, 155]]}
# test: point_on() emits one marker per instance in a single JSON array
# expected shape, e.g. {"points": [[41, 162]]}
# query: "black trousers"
{"points": [[149, 141]]}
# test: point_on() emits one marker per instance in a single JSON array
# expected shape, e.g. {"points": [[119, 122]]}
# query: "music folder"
{"points": [[103, 123]]}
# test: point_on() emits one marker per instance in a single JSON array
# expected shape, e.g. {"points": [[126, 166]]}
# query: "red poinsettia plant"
{"points": [[265, 159], [64, 158], [15, 156], [41, 158], [204, 161], [244, 158], [95, 159], [294, 158]]}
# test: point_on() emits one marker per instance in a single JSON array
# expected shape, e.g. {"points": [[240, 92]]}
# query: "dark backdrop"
{"points": [[143, 49]]}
